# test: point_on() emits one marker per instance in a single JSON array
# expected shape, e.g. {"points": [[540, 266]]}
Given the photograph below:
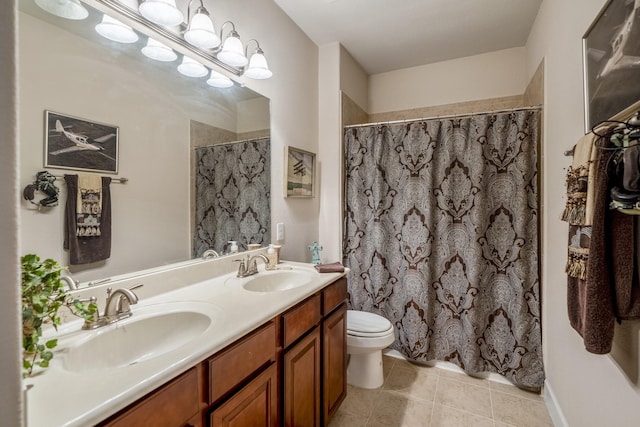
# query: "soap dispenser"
{"points": [[233, 248], [273, 258]]}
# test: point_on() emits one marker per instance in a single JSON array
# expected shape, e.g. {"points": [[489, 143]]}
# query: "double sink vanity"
{"points": [[202, 347]]}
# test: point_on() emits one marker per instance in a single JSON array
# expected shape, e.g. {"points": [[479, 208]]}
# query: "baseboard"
{"points": [[555, 412], [451, 367]]}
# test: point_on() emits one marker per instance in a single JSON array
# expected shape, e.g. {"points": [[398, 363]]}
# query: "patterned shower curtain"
{"points": [[441, 235], [233, 191]]}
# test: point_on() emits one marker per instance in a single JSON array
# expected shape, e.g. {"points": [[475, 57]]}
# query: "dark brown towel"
{"points": [[85, 250], [592, 302], [335, 267]]}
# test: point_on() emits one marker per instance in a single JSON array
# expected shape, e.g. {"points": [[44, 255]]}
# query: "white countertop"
{"points": [[61, 397]]}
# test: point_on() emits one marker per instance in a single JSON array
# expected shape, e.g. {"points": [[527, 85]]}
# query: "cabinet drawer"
{"points": [[171, 405], [300, 319], [334, 295], [234, 364]]}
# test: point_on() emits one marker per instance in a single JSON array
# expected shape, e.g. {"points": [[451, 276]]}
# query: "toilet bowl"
{"points": [[367, 335]]}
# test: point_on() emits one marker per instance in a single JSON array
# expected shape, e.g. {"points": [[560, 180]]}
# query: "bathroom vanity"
{"points": [[272, 352]]}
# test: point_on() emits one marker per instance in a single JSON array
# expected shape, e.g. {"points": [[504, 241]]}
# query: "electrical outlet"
{"points": [[280, 231]]}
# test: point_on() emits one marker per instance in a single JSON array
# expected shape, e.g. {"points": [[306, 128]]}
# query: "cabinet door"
{"points": [[255, 405], [334, 369], [302, 382]]}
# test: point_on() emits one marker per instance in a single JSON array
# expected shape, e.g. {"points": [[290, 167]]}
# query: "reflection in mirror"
{"points": [[163, 117]]}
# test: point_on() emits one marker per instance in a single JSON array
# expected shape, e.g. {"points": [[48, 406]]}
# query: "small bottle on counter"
{"points": [[233, 247], [273, 260]]}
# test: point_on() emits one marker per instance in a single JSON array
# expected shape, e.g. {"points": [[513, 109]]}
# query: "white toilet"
{"points": [[367, 335]]}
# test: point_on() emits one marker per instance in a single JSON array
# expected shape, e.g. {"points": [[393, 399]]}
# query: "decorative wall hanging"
{"points": [[611, 56], [74, 143], [300, 173]]}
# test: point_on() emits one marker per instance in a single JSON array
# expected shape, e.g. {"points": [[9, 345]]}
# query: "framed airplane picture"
{"points": [[611, 56], [300, 173], [79, 144]]}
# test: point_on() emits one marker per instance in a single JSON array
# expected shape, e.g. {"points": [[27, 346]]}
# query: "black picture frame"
{"points": [[80, 144], [611, 57]]}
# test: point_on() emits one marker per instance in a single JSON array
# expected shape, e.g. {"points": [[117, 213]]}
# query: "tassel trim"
{"points": [[577, 263]]}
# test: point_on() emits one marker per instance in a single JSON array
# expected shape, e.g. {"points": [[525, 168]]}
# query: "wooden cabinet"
{"points": [[334, 358], [256, 404], [314, 369], [301, 386], [290, 371], [172, 405]]}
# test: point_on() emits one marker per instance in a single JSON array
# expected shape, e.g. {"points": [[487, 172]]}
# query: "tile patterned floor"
{"points": [[421, 396]]}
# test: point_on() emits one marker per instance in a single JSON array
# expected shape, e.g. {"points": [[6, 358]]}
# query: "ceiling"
{"points": [[386, 35]]}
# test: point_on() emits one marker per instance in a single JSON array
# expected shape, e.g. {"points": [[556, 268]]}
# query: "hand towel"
{"points": [[335, 267], [579, 206], [87, 249], [89, 205]]}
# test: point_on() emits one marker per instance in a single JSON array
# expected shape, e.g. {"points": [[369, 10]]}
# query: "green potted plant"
{"points": [[43, 294]]}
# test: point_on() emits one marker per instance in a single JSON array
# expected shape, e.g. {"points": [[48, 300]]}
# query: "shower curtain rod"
{"points": [[450, 116], [232, 142]]}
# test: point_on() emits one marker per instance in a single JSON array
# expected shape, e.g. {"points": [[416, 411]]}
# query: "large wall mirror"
{"points": [[187, 149]]}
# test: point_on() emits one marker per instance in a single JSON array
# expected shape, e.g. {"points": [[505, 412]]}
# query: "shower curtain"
{"points": [[232, 197], [441, 236]]}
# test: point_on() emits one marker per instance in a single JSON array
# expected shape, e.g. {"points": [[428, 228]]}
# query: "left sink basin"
{"points": [[151, 332]]}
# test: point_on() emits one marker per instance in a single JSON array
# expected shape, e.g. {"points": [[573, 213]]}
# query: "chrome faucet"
{"points": [[210, 253], [118, 307], [250, 266], [71, 283]]}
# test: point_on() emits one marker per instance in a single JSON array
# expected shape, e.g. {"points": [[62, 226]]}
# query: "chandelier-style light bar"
{"points": [[199, 36]]}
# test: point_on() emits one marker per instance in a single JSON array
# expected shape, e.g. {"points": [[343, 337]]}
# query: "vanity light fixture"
{"points": [[192, 68], [232, 52], [116, 31], [217, 79], [201, 32], [161, 12], [258, 68], [159, 51], [69, 9]]}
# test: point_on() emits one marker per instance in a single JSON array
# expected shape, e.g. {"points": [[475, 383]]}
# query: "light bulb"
{"points": [[219, 80], [232, 52], [158, 51], [69, 9], [161, 12], [201, 32], [258, 68], [192, 68], [115, 30]]}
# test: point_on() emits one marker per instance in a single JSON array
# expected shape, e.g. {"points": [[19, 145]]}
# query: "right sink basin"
{"points": [[279, 280]]}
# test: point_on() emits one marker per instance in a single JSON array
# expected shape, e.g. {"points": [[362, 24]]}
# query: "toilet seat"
{"points": [[367, 325]]}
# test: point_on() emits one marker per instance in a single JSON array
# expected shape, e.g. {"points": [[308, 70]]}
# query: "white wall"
{"points": [[490, 75], [10, 371], [329, 153], [591, 390], [253, 115]]}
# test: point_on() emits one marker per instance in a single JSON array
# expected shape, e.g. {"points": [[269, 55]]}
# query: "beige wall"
{"points": [[10, 352], [490, 75], [590, 390]]}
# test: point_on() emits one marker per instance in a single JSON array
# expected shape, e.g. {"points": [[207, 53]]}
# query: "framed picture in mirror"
{"points": [[79, 144], [300, 173], [611, 57]]}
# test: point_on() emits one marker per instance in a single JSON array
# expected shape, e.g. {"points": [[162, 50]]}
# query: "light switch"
{"points": [[280, 231]]}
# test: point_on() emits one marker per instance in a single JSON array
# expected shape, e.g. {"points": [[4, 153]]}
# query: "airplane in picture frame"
{"points": [[74, 143]]}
